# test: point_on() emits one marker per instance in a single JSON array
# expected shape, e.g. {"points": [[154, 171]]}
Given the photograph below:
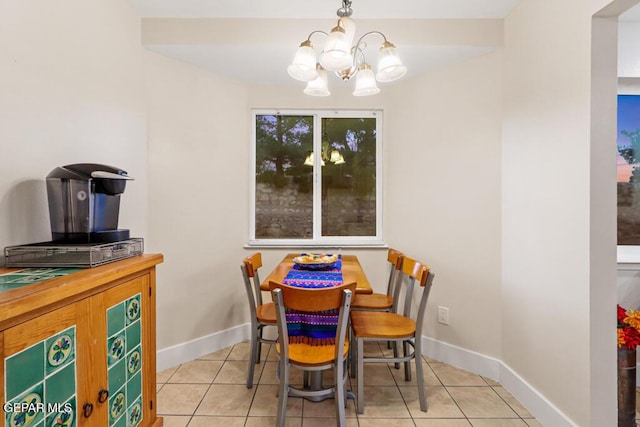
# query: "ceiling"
{"points": [[273, 50]]}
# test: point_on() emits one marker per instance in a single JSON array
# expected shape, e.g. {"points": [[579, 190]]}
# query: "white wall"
{"points": [[443, 193], [548, 216], [71, 91], [198, 194]]}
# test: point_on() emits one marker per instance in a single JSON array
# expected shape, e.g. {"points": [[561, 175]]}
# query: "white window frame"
{"points": [[318, 240]]}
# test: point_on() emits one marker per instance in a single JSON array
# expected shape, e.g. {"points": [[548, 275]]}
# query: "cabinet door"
{"points": [[42, 365], [126, 317]]}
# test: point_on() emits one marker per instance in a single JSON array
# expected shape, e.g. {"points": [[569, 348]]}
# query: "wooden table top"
{"points": [[351, 272]]}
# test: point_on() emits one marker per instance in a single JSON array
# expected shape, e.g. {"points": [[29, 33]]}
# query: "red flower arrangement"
{"points": [[628, 328]]}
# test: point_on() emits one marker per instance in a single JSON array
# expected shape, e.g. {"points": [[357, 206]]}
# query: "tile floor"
{"points": [[211, 391]]}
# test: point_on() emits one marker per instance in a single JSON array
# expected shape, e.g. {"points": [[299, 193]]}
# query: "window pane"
{"points": [[349, 177], [284, 185]]}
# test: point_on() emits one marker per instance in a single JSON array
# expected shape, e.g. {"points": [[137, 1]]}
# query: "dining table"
{"points": [[351, 272]]}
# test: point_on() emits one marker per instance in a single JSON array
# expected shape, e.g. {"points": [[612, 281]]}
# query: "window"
{"points": [[317, 178], [628, 145]]}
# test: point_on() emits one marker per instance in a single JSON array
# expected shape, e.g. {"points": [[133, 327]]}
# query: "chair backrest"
{"points": [[413, 272], [249, 268], [394, 257], [313, 300]]}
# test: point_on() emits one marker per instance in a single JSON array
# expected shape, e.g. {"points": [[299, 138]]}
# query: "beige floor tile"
{"points": [[163, 376], [269, 374], [326, 409], [217, 355], [386, 422], [491, 382], [265, 403], [196, 372], [226, 400], [378, 374], [497, 423], [203, 421], [271, 421], [324, 422], [426, 422], [481, 402], [242, 351], [176, 420], [452, 376], [513, 402], [439, 403], [180, 399], [430, 378], [235, 372], [213, 387], [383, 402]]}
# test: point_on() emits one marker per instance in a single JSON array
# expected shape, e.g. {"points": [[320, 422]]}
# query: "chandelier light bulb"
{"points": [[303, 67]]}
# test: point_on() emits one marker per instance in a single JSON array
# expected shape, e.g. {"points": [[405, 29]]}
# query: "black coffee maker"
{"points": [[84, 203]]}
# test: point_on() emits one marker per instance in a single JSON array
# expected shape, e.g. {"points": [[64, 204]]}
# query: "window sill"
{"points": [[318, 245]]}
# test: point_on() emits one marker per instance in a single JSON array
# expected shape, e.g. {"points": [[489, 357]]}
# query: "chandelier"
{"points": [[345, 58]]}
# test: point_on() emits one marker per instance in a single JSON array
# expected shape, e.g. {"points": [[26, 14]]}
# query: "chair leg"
{"points": [[283, 393], [339, 393], [252, 357], [394, 345], [419, 373], [407, 364], [259, 344], [360, 375]]}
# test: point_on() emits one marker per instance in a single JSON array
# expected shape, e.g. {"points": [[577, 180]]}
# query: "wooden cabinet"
{"points": [[79, 350]]}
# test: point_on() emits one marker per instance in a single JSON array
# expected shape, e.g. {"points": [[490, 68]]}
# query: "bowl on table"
{"points": [[316, 261]]}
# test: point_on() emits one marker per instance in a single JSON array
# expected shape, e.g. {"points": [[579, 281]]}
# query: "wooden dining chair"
{"points": [[262, 314], [405, 329], [298, 352], [380, 301]]}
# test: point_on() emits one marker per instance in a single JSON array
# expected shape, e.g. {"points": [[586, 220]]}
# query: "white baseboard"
{"points": [[191, 350], [542, 409]]}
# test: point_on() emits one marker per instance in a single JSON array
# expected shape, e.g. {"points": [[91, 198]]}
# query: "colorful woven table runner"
{"points": [[313, 328], [303, 278]]}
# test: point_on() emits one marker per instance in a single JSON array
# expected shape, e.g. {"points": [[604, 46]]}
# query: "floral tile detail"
{"points": [[115, 349], [30, 417], [133, 309], [134, 413], [60, 349], [117, 406], [66, 417], [134, 362]]}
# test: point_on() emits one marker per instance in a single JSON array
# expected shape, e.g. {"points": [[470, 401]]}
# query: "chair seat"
{"points": [[266, 313], [376, 324], [312, 355], [372, 301]]}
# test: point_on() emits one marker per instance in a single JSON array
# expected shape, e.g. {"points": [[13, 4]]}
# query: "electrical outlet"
{"points": [[443, 315]]}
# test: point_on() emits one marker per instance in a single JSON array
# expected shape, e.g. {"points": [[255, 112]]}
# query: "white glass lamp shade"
{"points": [[309, 160], [365, 81], [303, 67], [318, 86], [335, 156], [340, 160], [390, 67], [336, 55], [349, 29]]}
